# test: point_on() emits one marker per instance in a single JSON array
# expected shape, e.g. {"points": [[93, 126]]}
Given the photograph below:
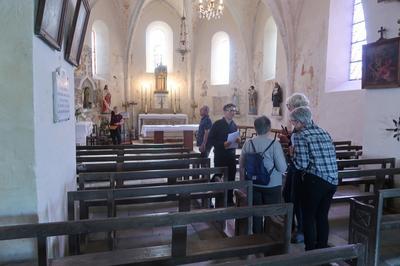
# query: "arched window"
{"points": [[220, 58], [100, 49], [270, 45], [346, 35], [358, 39], [159, 46]]}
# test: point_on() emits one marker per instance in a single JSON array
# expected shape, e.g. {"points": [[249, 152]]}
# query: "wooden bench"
{"points": [[377, 177], [353, 252], [342, 142], [129, 146], [342, 155], [180, 251], [348, 148], [368, 221], [172, 177], [149, 157], [144, 165], [183, 194], [132, 151]]}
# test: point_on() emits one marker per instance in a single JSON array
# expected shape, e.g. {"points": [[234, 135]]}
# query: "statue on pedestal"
{"points": [[252, 101], [277, 99]]}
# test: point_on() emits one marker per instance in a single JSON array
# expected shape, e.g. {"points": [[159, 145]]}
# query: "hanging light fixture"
{"points": [[183, 43], [210, 9]]}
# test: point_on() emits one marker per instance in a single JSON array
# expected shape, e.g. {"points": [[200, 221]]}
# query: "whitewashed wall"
{"points": [[381, 105], [18, 197], [157, 11]]}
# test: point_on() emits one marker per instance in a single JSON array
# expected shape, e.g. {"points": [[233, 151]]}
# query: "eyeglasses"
{"points": [[231, 110]]}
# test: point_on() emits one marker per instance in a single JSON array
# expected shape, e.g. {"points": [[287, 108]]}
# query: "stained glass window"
{"points": [[358, 39]]}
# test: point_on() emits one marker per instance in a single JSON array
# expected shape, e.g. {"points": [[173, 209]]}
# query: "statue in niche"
{"points": [[160, 73], [87, 103], [252, 100], [204, 89], [235, 99], [106, 105], [277, 99]]}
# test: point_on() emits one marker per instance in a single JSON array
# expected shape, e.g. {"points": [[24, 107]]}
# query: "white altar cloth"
{"points": [[168, 128], [161, 119], [82, 130]]}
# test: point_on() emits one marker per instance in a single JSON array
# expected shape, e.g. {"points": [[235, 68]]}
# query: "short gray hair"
{"points": [[262, 125], [206, 108], [297, 100], [301, 114]]}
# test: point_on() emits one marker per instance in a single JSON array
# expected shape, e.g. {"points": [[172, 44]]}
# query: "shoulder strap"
{"points": [[269, 146], [252, 145]]}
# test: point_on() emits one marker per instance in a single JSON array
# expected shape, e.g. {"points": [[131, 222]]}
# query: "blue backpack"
{"points": [[254, 167]]}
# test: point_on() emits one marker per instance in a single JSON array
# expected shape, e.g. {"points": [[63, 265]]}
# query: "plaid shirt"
{"points": [[315, 153]]}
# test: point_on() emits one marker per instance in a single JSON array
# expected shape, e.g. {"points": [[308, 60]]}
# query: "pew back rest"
{"points": [[309, 258], [145, 165], [175, 220], [116, 179], [122, 152], [132, 146], [146, 157]]}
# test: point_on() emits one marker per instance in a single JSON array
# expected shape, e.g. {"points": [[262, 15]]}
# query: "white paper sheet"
{"points": [[232, 139]]}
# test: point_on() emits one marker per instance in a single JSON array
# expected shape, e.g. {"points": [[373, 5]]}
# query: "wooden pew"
{"points": [[342, 142], [119, 179], [343, 155], [131, 146], [148, 157], [353, 252], [376, 176], [180, 251], [144, 165], [348, 148], [132, 151], [181, 193], [368, 221]]}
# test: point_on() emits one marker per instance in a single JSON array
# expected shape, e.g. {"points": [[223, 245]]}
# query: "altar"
{"points": [[159, 131]]}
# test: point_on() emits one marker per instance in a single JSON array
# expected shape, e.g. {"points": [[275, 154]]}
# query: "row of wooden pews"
{"points": [[113, 179]]}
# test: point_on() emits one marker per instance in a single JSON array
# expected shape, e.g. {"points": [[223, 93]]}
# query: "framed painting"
{"points": [[381, 64], [49, 23], [77, 32]]}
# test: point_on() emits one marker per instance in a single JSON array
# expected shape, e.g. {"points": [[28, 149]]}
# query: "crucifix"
{"points": [[381, 31]]}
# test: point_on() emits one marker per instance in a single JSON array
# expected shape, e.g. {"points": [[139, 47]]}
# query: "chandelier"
{"points": [[209, 9], [183, 43]]}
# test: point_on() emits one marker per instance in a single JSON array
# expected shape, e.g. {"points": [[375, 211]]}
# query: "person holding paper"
{"points": [[224, 149]]}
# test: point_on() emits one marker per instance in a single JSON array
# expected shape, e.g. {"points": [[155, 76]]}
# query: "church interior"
{"points": [[68, 196]]}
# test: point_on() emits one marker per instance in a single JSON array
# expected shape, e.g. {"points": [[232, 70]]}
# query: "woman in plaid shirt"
{"points": [[314, 154]]}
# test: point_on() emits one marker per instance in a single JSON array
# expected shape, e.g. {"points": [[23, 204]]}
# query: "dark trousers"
{"points": [[116, 136], [316, 200], [227, 160], [292, 193], [263, 196]]}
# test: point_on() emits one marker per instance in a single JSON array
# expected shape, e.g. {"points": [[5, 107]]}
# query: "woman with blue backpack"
{"points": [[262, 160]]}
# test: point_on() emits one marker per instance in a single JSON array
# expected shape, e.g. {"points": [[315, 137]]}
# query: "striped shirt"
{"points": [[315, 153]]}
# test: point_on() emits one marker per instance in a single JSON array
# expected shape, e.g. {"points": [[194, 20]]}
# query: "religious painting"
{"points": [[77, 32], [49, 23], [381, 64]]}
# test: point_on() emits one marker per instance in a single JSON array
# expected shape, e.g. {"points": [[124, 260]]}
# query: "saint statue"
{"points": [[277, 98], [204, 89], [252, 100], [86, 98], [235, 99], [106, 105], [160, 73]]}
